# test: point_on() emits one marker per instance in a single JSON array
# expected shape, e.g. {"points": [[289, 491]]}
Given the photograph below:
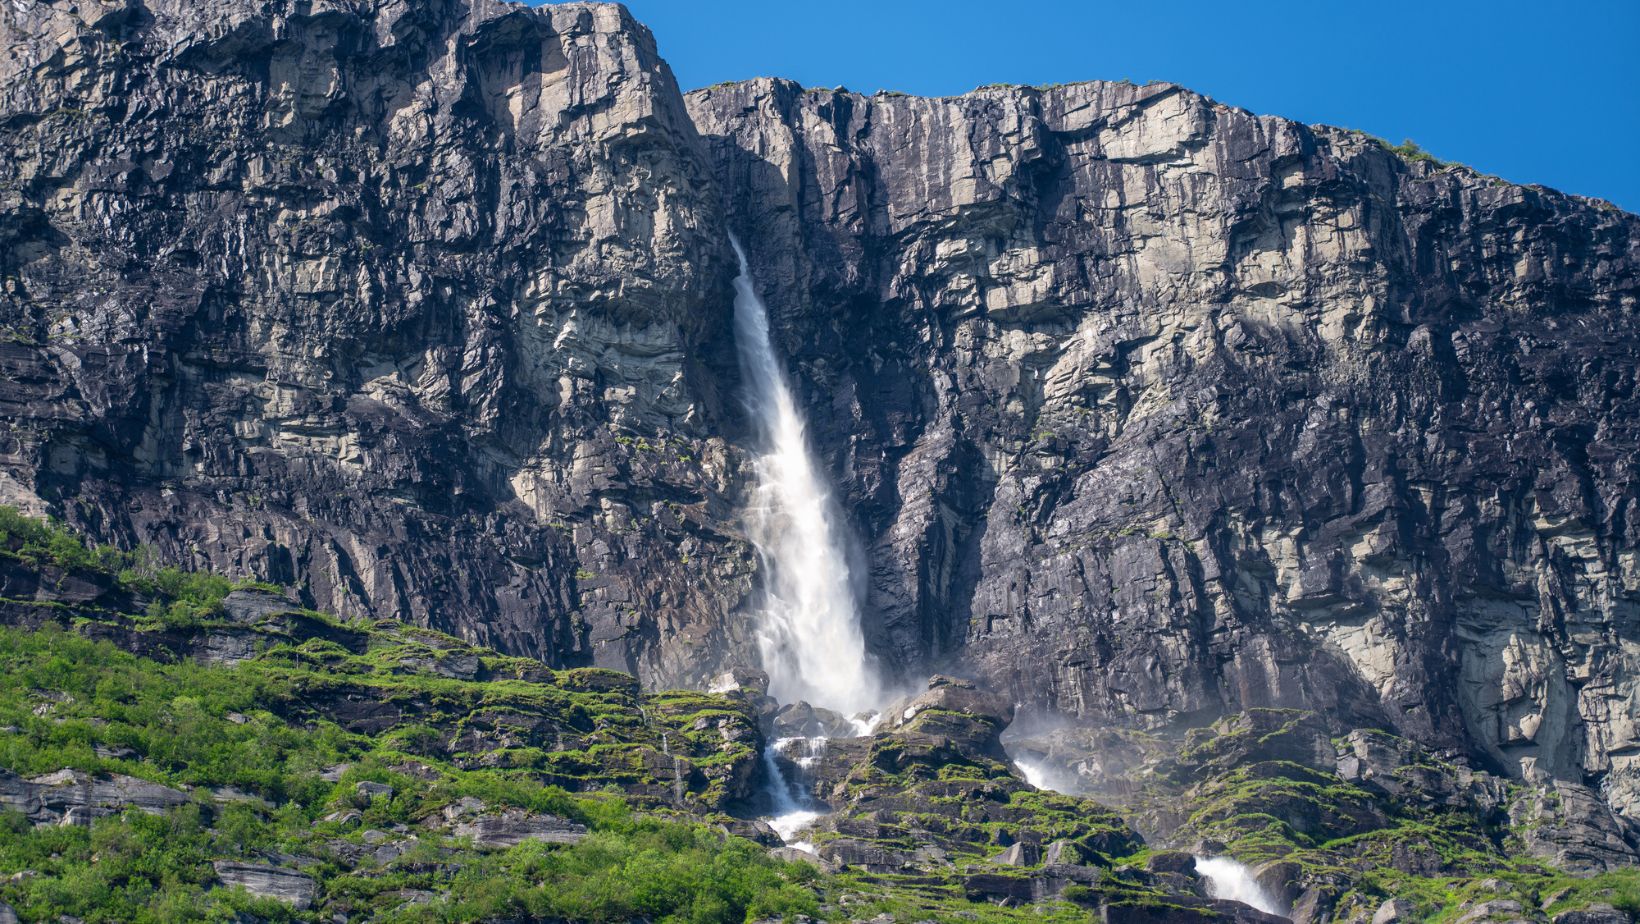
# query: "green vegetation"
{"points": [[201, 729], [1357, 844], [1409, 150], [187, 597], [270, 751]]}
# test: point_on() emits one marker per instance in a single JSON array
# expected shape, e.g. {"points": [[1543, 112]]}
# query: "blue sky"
{"points": [[1536, 92]]}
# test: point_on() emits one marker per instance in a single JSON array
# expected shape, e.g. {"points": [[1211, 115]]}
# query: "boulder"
{"points": [[1598, 913], [513, 827], [743, 680], [1395, 911], [285, 885], [1020, 854], [76, 797], [366, 792]]}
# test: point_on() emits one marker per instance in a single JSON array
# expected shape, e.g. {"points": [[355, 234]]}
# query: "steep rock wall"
{"points": [[1150, 408], [414, 305]]}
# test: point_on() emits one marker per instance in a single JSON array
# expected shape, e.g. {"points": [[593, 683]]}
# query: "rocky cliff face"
{"points": [[1150, 409], [1145, 408], [414, 305]]}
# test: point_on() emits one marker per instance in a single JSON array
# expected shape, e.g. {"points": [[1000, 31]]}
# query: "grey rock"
{"points": [[367, 792], [1056, 343], [1598, 913], [999, 888], [747, 680], [481, 298], [801, 720], [232, 794], [1176, 862], [75, 797], [1063, 853], [8, 914], [289, 886], [1143, 408], [1570, 824], [252, 606], [228, 647], [1020, 854], [795, 855], [1395, 911], [334, 774], [846, 852], [1501, 911], [465, 807], [514, 827]]}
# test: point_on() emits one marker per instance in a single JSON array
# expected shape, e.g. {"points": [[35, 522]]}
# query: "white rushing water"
{"points": [[791, 813], [1231, 879], [809, 630], [809, 636], [1033, 774]]}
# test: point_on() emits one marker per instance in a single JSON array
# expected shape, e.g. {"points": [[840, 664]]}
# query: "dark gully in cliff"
{"points": [[1272, 488]]}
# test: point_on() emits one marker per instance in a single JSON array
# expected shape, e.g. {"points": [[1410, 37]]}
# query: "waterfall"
{"points": [[1231, 879], [677, 768], [1035, 775], [791, 810], [809, 636]]}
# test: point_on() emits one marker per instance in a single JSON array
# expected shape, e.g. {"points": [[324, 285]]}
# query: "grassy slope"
{"points": [[263, 729]]}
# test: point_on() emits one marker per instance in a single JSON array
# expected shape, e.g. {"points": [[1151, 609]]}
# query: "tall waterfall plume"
{"points": [[809, 636]]}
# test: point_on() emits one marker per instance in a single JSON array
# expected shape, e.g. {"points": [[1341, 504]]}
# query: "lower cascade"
{"points": [[1231, 879], [790, 811]]}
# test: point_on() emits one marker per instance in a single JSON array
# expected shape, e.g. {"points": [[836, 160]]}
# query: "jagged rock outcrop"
{"points": [[73, 797], [469, 819], [1145, 409]]}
